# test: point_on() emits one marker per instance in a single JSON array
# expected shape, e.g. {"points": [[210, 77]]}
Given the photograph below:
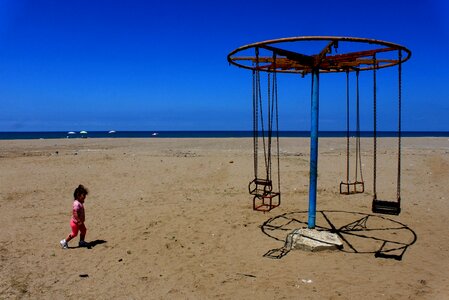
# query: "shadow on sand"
{"points": [[359, 232], [91, 244]]}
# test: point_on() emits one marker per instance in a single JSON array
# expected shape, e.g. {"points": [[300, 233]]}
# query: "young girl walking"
{"points": [[78, 217]]}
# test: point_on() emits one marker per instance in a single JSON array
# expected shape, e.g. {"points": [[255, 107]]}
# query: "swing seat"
{"points": [[386, 207], [358, 187], [266, 201], [260, 186]]}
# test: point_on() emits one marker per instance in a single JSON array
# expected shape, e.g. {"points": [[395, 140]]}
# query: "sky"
{"points": [[161, 65]]}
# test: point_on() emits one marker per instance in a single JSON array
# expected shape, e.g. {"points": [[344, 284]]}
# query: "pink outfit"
{"points": [[78, 212], [75, 228], [78, 217]]}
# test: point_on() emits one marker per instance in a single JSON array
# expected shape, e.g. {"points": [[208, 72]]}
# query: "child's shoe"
{"points": [[64, 244], [83, 244]]}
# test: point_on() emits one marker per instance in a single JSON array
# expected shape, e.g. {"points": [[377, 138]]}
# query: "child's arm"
{"points": [[78, 215]]}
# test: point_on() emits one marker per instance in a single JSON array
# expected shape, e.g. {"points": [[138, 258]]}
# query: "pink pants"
{"points": [[75, 228]]}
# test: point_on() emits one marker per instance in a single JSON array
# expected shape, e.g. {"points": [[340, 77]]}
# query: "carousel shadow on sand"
{"points": [[360, 233]]}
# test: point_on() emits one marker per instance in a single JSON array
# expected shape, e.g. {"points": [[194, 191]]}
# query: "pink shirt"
{"points": [[78, 212]]}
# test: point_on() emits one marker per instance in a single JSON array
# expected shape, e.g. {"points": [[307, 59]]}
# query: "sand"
{"points": [[172, 219]]}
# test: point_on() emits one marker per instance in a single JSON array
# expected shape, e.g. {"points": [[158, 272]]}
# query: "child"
{"points": [[77, 221]]}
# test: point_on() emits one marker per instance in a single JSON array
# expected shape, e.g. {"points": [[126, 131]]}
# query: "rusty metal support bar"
{"points": [[303, 59]]}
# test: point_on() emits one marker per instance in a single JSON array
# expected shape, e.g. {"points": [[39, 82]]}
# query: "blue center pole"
{"points": [[313, 148]]}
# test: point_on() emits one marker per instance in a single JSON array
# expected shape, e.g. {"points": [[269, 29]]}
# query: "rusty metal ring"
{"points": [[286, 61]]}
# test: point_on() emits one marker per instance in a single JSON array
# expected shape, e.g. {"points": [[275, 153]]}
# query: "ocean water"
{"points": [[202, 134]]}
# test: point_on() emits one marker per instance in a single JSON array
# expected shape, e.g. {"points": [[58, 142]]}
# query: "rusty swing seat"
{"points": [[264, 198], [266, 201], [358, 187], [386, 207], [265, 191], [260, 186]]}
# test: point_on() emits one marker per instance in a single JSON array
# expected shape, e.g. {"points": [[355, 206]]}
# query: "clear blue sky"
{"points": [[161, 65]]}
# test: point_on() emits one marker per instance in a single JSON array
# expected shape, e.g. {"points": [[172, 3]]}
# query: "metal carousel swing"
{"points": [[293, 55]]}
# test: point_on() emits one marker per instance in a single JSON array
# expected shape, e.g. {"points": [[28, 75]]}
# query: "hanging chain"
{"points": [[266, 144], [358, 161], [256, 91], [375, 125], [261, 118], [270, 124], [400, 122], [255, 120], [275, 82]]}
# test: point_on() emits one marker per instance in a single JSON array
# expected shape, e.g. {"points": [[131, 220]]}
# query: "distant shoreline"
{"points": [[201, 134]]}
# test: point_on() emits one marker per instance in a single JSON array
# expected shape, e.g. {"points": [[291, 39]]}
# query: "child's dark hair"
{"points": [[80, 190]]}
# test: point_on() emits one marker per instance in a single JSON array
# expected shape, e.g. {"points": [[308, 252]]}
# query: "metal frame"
{"points": [[288, 61]]}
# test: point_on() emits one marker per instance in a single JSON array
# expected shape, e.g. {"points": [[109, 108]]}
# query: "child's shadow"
{"points": [[92, 244]]}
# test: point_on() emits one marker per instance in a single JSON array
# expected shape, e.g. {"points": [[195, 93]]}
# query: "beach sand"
{"points": [[172, 219]]}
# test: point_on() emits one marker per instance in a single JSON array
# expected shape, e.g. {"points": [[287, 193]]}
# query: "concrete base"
{"points": [[313, 240]]}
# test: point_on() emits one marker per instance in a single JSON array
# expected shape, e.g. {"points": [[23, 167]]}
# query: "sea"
{"points": [[16, 135]]}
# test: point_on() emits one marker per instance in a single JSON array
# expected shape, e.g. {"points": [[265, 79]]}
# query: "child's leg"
{"points": [[83, 231], [74, 232]]}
